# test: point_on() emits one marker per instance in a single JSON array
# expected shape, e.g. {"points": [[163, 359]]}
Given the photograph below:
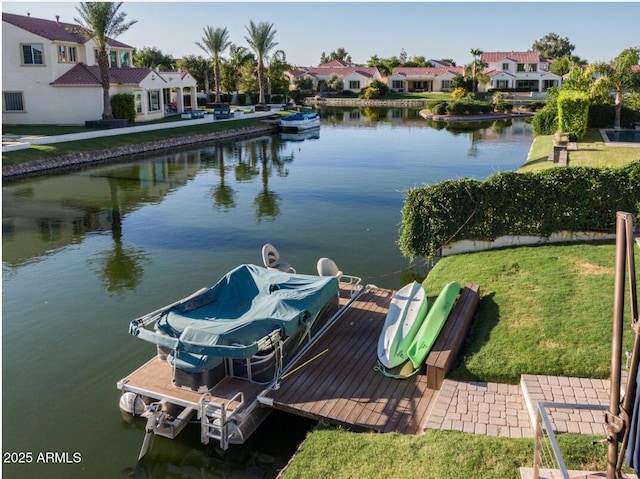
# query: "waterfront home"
{"points": [[354, 77], [520, 71], [50, 75], [421, 79]]}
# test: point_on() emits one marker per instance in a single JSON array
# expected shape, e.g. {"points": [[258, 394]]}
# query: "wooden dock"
{"points": [[335, 381]]}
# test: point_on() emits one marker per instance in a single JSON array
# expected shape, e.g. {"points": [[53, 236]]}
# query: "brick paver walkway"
{"points": [[509, 410]]}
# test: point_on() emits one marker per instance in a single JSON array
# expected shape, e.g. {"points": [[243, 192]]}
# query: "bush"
{"points": [[545, 121], [573, 113], [440, 108], [510, 203], [371, 93], [458, 93], [123, 107], [381, 86], [603, 116], [456, 108]]}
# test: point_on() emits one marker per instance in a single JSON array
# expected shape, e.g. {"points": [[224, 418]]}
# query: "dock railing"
{"points": [[547, 453]]}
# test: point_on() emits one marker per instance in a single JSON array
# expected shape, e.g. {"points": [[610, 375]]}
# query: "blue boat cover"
{"points": [[247, 304]]}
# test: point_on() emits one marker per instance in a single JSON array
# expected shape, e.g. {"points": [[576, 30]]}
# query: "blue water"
{"points": [[86, 252], [624, 136]]}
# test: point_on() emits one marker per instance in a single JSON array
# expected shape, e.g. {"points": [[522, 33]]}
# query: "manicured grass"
{"points": [[435, 455], [592, 151], [544, 310], [37, 152]]}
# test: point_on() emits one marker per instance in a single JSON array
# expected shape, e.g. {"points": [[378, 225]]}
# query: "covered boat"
{"points": [[221, 347], [300, 121]]}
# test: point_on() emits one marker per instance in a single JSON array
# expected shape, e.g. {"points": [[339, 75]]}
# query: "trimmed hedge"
{"points": [[573, 113], [510, 203], [123, 107]]}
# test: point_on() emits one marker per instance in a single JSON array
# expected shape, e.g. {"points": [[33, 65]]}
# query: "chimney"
{"points": [[57, 19]]}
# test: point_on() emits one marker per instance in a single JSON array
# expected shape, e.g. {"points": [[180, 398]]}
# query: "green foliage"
{"points": [[123, 106], [380, 85], [603, 116], [573, 113], [437, 107], [545, 121], [557, 199], [468, 107]]}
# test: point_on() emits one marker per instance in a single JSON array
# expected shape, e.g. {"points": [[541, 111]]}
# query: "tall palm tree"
{"points": [[476, 52], [261, 40], [622, 75], [238, 56], [102, 21], [215, 42]]}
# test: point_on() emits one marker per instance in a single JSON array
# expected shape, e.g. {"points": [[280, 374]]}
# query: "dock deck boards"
{"points": [[335, 380]]}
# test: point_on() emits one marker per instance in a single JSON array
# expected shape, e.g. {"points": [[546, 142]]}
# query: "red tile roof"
{"points": [[52, 29], [427, 71], [82, 74], [342, 71], [520, 57]]}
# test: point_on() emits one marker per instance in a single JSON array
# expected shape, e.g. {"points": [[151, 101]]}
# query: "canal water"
{"points": [[83, 253]]}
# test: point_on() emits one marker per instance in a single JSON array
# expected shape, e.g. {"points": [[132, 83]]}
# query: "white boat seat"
{"points": [[327, 267], [271, 259]]}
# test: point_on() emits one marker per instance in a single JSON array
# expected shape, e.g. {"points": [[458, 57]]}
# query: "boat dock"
{"points": [[334, 380]]}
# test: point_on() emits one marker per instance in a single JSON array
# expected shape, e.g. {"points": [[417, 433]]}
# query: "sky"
{"points": [[435, 30]]}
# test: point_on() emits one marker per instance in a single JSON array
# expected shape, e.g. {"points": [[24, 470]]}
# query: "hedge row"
{"points": [[510, 203]]}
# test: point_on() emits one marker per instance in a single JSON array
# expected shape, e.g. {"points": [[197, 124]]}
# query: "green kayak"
{"points": [[432, 324]]}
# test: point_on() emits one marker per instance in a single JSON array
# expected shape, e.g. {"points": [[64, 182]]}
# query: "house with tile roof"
{"points": [[50, 75], [354, 77], [421, 79], [519, 71]]}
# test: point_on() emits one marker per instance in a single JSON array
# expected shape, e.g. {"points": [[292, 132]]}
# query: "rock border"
{"points": [[80, 159]]}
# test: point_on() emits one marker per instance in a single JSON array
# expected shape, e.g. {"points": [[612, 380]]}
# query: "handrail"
{"points": [[543, 419]]}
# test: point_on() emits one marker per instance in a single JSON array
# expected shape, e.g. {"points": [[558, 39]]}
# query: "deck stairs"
{"points": [[215, 417]]}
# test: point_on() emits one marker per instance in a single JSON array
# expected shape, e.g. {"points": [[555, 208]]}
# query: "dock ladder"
{"points": [[214, 419]]}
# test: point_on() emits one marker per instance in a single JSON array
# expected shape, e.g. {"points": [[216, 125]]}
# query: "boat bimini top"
{"points": [[248, 305]]}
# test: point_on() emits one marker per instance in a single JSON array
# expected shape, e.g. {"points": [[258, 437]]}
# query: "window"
{"points": [[124, 59], [397, 84], [502, 83], [13, 101], [354, 84], [447, 84], [505, 67], [533, 67], [520, 67], [96, 56], [67, 54], [113, 59], [154, 100], [32, 54], [137, 100]]}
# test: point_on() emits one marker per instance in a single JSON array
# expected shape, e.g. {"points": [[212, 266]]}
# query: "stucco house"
{"points": [[50, 75], [354, 77], [522, 71], [420, 79]]}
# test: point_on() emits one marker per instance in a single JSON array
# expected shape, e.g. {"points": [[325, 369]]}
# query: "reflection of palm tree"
{"points": [[266, 202], [121, 268], [222, 194]]}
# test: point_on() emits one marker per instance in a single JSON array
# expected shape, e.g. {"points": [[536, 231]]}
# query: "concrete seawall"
{"points": [[76, 159]]}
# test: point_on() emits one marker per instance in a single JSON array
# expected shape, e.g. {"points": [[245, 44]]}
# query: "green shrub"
{"points": [[439, 108], [456, 108], [381, 86], [458, 93], [545, 121], [510, 203], [573, 113], [371, 93], [123, 107]]}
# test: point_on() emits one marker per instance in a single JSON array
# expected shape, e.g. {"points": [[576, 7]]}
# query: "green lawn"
{"points": [[592, 151], [337, 454]]}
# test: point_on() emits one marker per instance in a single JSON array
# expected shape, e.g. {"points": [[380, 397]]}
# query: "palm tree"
{"points": [[623, 75], [476, 52], [238, 56], [261, 40], [215, 42], [102, 22]]}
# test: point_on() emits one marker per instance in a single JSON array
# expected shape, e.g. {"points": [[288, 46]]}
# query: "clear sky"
{"points": [[599, 30]]}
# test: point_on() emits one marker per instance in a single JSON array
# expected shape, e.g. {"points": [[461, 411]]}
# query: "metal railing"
{"points": [[548, 451]]}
